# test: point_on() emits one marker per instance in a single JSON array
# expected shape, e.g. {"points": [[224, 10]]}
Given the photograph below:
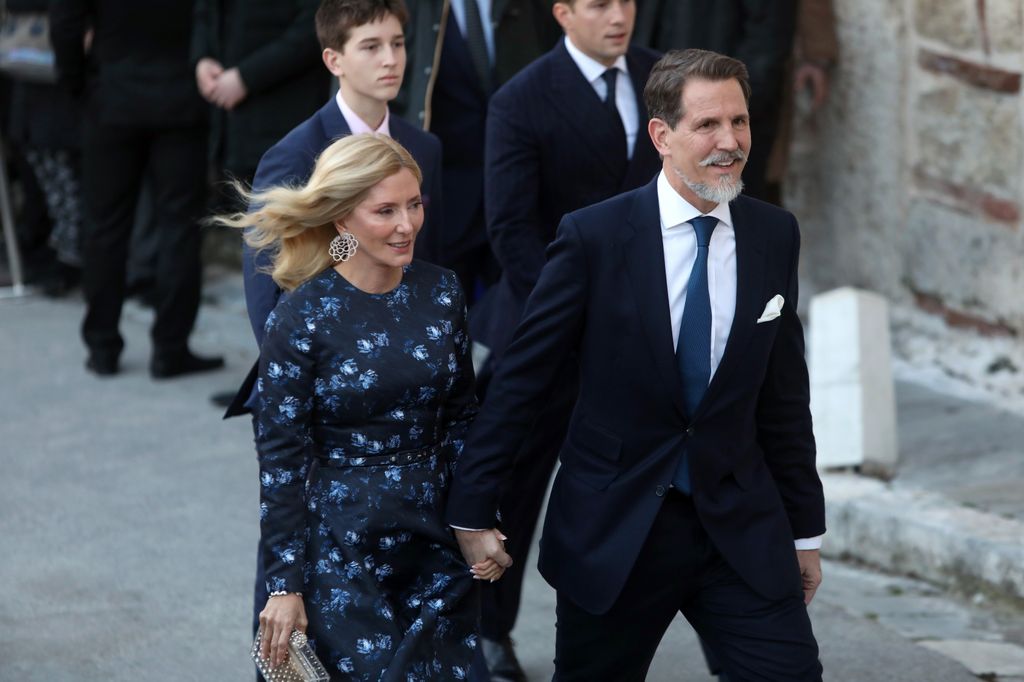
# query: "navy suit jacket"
{"points": [[290, 162], [551, 149], [602, 298]]}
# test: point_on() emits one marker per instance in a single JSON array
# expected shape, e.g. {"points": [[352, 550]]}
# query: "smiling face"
{"points": [[601, 29], [371, 63], [386, 223], [704, 155]]}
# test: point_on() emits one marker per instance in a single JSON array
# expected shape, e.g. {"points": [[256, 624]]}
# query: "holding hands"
{"points": [[484, 551]]}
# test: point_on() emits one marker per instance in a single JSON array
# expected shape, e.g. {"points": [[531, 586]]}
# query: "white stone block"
{"points": [[853, 401]]}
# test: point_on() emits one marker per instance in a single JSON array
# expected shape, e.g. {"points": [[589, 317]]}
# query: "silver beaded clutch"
{"points": [[302, 665]]}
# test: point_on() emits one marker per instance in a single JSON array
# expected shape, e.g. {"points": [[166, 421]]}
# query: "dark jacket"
{"points": [[138, 71], [551, 149], [524, 29], [757, 32], [602, 298], [274, 46]]}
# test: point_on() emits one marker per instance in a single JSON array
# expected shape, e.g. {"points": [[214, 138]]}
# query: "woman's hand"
{"points": [[488, 569], [279, 618]]}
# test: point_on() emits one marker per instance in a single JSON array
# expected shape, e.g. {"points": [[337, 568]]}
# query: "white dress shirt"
{"points": [[625, 95], [357, 125], [680, 242], [459, 9]]}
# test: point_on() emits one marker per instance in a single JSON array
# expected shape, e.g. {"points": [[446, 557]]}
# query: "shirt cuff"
{"points": [[474, 530], [809, 543]]}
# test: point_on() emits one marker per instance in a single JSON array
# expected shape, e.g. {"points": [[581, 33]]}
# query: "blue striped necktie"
{"points": [[693, 350]]}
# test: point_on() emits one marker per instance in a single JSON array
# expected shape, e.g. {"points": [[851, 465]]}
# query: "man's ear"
{"points": [[561, 10], [658, 130], [332, 60]]}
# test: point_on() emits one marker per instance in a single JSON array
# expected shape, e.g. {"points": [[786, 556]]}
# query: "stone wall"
{"points": [[910, 181]]}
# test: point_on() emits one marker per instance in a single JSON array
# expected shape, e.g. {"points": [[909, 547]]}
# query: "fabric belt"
{"points": [[396, 458]]}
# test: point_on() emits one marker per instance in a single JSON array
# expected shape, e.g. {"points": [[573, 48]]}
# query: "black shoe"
{"points": [[500, 656], [102, 364], [168, 365], [223, 398]]}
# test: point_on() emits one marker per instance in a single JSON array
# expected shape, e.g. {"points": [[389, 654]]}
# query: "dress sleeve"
{"points": [[286, 386], [461, 405]]}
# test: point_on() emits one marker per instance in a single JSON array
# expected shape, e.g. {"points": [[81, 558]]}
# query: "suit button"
{"points": [[689, 431], [426, 71], [422, 115], [660, 491], [436, 27]]}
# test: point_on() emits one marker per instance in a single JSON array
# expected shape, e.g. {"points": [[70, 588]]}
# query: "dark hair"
{"points": [[335, 19], [663, 94]]}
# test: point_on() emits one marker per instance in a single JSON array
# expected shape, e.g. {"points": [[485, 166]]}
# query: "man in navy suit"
{"points": [[363, 46], [687, 480], [565, 132]]}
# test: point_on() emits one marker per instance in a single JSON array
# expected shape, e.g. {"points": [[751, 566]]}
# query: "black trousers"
{"points": [[114, 160], [521, 501], [679, 570]]}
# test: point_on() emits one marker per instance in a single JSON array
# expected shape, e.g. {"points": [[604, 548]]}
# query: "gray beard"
{"points": [[721, 193]]}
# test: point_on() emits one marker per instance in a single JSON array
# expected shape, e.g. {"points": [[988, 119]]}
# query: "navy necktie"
{"points": [[693, 349], [477, 44], [611, 77]]}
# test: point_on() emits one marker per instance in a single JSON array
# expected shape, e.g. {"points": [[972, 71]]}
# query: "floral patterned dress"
{"points": [[364, 400]]}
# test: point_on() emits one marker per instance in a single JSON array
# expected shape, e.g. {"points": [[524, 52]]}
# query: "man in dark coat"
{"points": [[687, 480], [142, 112], [460, 52], [256, 61], [757, 32]]}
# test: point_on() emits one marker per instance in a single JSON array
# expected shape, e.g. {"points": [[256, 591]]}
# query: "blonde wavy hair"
{"points": [[296, 224]]}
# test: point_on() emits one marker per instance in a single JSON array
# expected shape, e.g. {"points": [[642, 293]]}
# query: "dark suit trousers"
{"points": [[522, 499], [679, 570], [114, 161]]}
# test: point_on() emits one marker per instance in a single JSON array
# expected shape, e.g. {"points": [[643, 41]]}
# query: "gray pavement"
{"points": [[128, 523]]}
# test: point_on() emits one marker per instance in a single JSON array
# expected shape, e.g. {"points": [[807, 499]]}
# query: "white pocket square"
{"points": [[772, 310]]}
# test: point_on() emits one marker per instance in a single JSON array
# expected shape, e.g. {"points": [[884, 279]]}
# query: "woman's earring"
{"points": [[343, 247]]}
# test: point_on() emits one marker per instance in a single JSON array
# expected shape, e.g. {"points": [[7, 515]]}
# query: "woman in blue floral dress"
{"points": [[365, 394]]}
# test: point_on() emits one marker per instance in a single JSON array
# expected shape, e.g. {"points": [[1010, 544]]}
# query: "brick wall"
{"points": [[910, 182]]}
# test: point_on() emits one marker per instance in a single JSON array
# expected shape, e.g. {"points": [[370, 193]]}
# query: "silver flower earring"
{"points": [[343, 247]]}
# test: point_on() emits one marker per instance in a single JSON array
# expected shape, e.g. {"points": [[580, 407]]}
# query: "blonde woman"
{"points": [[365, 391]]}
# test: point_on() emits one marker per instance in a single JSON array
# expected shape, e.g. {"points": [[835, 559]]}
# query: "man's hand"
{"points": [[229, 90], [810, 571], [207, 72], [484, 551]]}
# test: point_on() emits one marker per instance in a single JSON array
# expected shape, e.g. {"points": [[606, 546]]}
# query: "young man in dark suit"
{"points": [[688, 481], [565, 132], [364, 47]]}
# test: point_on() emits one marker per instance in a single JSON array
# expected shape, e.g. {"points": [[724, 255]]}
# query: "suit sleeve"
{"points": [[549, 333], [296, 50], [201, 44], [512, 165], [283, 441], [69, 20], [784, 418]]}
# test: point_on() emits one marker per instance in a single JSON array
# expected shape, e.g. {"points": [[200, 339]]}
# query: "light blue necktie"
{"points": [[693, 350]]}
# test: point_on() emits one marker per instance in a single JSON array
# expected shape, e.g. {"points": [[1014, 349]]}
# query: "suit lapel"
{"points": [[579, 106], [332, 121], [750, 280], [645, 263]]}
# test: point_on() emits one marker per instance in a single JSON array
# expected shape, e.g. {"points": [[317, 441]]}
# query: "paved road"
{"points": [[128, 523]]}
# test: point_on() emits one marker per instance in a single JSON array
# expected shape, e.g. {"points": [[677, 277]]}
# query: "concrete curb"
{"points": [[923, 534]]}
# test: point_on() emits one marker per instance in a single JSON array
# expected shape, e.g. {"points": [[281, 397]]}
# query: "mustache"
{"points": [[724, 157]]}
